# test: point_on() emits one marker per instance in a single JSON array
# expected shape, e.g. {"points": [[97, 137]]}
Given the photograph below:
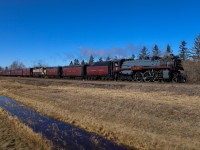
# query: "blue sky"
{"points": [[57, 31]]}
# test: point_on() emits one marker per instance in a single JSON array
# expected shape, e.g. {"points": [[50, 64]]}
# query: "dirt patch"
{"points": [[141, 115], [14, 135]]}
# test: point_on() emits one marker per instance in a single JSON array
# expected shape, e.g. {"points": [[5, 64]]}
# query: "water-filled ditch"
{"points": [[62, 135]]}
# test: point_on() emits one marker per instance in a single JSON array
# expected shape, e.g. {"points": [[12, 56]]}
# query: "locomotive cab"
{"points": [[117, 64]]}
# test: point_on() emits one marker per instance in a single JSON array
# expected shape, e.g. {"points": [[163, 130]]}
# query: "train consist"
{"points": [[148, 70]]}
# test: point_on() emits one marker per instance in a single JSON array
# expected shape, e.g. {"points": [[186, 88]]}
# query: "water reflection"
{"points": [[62, 135]]}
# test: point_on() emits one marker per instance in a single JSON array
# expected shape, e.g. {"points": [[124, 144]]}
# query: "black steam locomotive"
{"points": [[150, 69]]}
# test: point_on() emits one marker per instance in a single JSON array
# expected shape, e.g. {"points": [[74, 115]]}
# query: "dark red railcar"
{"points": [[27, 72], [97, 70], [12, 72], [100, 69], [19, 72], [7, 73], [53, 72], [74, 71]]}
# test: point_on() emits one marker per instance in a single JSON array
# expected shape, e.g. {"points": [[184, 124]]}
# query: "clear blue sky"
{"points": [[55, 31]]}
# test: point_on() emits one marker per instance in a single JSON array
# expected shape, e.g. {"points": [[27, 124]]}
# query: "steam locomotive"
{"points": [[148, 70]]}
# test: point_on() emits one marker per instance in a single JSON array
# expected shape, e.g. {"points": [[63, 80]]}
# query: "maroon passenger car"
{"points": [[100, 69], [15, 73], [74, 71], [12, 72], [19, 72], [27, 72], [5, 73], [53, 72]]}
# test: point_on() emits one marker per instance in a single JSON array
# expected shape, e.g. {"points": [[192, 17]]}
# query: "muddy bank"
{"points": [[145, 116], [15, 135]]}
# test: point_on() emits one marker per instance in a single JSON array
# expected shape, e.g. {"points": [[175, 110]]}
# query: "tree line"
{"points": [[184, 53], [16, 64]]}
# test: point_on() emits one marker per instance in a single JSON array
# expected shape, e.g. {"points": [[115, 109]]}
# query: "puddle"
{"points": [[62, 135]]}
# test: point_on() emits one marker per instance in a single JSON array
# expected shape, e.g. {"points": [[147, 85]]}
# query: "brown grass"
{"points": [[145, 116], [192, 70], [15, 135]]}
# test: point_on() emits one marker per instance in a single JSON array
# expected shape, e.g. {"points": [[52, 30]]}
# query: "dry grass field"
{"points": [[138, 115], [14, 135], [192, 70]]}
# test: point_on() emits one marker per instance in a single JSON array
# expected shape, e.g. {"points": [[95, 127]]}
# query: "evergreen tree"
{"points": [[168, 53], [83, 62], [143, 53], [196, 48], [76, 62], [100, 59], [108, 58], [183, 50], [156, 51], [91, 60], [133, 56], [168, 50], [71, 63]]}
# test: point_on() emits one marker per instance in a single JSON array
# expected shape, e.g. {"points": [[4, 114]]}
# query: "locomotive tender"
{"points": [[148, 70]]}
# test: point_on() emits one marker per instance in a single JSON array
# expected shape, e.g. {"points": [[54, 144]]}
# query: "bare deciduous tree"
{"points": [[16, 65], [40, 63]]}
